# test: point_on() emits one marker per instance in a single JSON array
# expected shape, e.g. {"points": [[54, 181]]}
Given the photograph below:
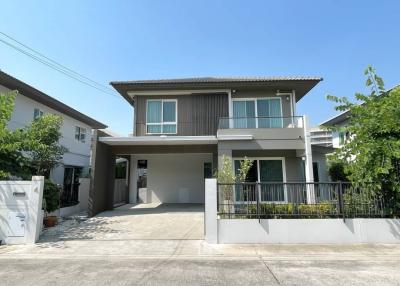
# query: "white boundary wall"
{"points": [[333, 231], [21, 210], [83, 198]]}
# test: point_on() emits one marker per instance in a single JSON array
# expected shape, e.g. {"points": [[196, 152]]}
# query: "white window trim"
{"points": [[80, 132], [257, 159], [255, 104], [162, 122]]}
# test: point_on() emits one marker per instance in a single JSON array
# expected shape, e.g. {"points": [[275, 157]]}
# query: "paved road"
{"points": [[125, 247], [194, 262], [208, 271]]}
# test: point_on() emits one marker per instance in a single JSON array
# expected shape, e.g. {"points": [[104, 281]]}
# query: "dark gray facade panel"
{"points": [[101, 192], [198, 114]]}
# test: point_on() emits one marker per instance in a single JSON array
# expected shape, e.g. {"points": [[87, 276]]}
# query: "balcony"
{"points": [[263, 132], [260, 122]]}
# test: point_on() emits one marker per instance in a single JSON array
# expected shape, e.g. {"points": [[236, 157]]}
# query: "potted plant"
{"points": [[51, 196]]}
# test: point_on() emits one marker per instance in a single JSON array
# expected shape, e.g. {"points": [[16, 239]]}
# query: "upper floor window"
{"points": [[257, 113], [161, 116], [80, 134], [37, 113], [344, 137]]}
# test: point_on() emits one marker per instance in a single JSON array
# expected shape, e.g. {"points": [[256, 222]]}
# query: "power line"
{"points": [[54, 62], [59, 67]]}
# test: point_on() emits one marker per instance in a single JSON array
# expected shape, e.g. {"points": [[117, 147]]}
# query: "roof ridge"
{"points": [[219, 79]]}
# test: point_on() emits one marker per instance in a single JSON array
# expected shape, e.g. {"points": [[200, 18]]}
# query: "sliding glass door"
{"points": [[269, 113], [257, 113], [269, 172], [244, 112]]}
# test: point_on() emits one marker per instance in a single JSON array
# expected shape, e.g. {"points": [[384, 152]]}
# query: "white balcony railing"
{"points": [[260, 122]]}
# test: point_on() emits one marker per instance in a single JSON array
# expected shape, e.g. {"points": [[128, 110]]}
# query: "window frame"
{"points": [[255, 99], [258, 159], [80, 133], [40, 113], [162, 123]]}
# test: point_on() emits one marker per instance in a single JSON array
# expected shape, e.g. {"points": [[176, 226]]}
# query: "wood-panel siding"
{"points": [[198, 114]]}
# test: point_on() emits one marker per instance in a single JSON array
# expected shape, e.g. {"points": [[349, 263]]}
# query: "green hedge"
{"points": [[51, 196]]}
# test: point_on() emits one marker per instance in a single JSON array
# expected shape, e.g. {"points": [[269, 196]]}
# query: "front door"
{"points": [[142, 193], [70, 192]]}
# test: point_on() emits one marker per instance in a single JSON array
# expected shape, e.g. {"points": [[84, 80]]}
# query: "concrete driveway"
{"points": [[136, 222]]}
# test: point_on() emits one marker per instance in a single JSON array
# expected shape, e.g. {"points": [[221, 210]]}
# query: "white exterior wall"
{"points": [[78, 153], [335, 140], [323, 173], [172, 178]]}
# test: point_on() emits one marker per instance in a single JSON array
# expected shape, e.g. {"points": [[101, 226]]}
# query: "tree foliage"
{"points": [[226, 174], [31, 150], [372, 155]]}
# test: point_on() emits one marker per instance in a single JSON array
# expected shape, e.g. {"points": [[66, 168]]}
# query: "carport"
{"points": [[170, 169]]}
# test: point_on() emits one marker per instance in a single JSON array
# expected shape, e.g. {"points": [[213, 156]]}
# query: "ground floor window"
{"points": [[208, 173], [263, 170]]}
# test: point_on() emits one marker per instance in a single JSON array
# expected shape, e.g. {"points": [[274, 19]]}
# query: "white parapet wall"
{"points": [[332, 231], [21, 210]]}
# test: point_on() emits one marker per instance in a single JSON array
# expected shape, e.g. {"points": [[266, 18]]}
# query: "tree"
{"points": [[33, 149], [372, 155], [12, 162], [42, 143]]}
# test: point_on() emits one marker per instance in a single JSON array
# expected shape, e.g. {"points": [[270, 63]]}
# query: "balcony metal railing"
{"points": [[302, 200], [260, 122]]}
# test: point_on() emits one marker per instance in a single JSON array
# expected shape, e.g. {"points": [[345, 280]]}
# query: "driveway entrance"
{"points": [[137, 222]]}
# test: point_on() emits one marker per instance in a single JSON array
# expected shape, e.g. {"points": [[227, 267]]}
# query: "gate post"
{"points": [[34, 212], [210, 211]]}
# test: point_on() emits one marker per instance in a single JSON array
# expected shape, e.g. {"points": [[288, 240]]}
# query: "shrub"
{"points": [[336, 171], [51, 196], [323, 209]]}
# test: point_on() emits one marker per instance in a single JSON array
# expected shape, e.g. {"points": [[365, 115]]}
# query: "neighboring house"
{"points": [[321, 137], [183, 127], [321, 145], [76, 129], [338, 137]]}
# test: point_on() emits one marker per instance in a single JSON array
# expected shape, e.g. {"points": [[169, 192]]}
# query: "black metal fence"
{"points": [[69, 195], [302, 200]]}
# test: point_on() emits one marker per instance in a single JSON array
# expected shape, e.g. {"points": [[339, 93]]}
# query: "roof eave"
{"points": [[39, 96], [123, 87]]}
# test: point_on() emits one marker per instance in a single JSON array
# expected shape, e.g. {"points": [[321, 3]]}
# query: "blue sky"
{"points": [[127, 40]]}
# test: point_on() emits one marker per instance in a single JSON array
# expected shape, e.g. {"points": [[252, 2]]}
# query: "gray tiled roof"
{"points": [[302, 84]]}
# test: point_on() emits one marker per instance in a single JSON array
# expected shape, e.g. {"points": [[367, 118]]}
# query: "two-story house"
{"points": [[183, 127], [76, 130]]}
